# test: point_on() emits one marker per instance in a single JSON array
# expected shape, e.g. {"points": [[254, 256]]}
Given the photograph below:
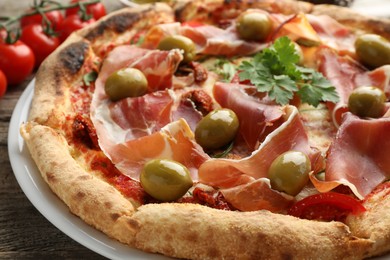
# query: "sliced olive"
{"points": [[373, 50], [128, 82], [367, 102], [253, 26], [289, 172], [179, 42], [217, 129], [165, 180]]}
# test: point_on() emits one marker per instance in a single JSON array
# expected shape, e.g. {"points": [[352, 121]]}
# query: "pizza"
{"points": [[222, 129]]}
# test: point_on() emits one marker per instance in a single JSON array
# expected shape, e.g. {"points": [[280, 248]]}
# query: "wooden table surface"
{"points": [[24, 232]]}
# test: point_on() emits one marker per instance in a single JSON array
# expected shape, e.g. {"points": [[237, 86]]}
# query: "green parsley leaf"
{"points": [[225, 69], [90, 77], [275, 71]]}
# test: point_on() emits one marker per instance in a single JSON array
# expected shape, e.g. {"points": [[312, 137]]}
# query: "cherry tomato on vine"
{"points": [[55, 17], [70, 24], [17, 61], [40, 43], [96, 10], [3, 84]]}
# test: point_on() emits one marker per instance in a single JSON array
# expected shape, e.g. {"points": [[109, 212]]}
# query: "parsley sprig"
{"points": [[275, 71]]}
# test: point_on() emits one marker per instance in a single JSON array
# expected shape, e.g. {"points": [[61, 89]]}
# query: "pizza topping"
{"points": [[367, 102], [217, 129], [297, 28], [346, 74], [210, 198], [179, 42], [332, 33], [275, 71], [200, 100], [84, 130], [208, 39], [127, 82], [357, 157], [290, 135], [165, 180], [326, 207], [256, 114], [289, 172], [254, 26], [373, 50]]}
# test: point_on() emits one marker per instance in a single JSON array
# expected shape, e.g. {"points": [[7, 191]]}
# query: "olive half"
{"points": [[217, 129], [367, 102], [165, 180], [289, 172], [128, 82], [373, 50], [179, 42], [253, 26]]}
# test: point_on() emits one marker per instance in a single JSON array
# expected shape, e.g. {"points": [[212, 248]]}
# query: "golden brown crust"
{"points": [[196, 232], [375, 223], [355, 20], [95, 201], [182, 230]]}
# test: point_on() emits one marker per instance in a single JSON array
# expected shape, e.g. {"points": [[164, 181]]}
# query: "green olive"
{"points": [[373, 50], [165, 180], [253, 26], [367, 102], [217, 129], [179, 42], [289, 172], [128, 82]]}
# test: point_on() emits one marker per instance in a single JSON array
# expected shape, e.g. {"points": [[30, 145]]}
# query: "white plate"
{"points": [[49, 205]]}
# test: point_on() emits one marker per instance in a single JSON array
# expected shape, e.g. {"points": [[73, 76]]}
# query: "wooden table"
{"points": [[24, 232]]}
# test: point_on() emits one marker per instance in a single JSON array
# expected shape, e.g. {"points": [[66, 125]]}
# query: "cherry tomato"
{"points": [[96, 10], [326, 206], [17, 61], [55, 17], [3, 84], [70, 24], [40, 43]]}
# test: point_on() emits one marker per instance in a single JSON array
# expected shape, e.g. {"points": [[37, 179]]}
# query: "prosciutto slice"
{"points": [[243, 181], [345, 74], [290, 135], [135, 130], [255, 114], [358, 157], [209, 39]]}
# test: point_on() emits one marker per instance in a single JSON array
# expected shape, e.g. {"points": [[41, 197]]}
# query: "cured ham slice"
{"points": [[358, 157], [290, 135], [135, 130], [345, 74], [257, 195], [158, 66], [208, 39], [174, 141], [296, 27], [332, 33], [254, 114]]}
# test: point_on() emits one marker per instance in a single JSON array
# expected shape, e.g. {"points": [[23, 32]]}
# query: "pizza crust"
{"points": [[93, 200], [179, 230], [374, 224], [197, 232], [354, 20]]}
